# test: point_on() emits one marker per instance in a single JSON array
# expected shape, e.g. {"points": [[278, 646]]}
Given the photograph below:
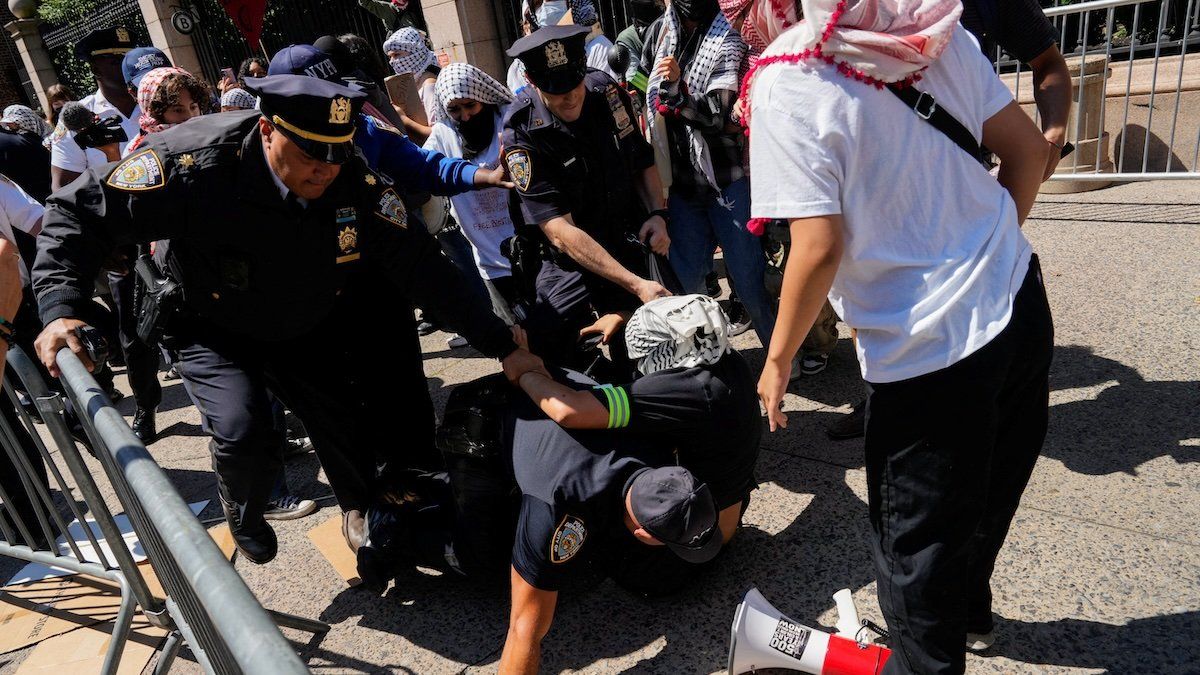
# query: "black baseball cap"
{"points": [[318, 115], [115, 41], [554, 57], [669, 505]]}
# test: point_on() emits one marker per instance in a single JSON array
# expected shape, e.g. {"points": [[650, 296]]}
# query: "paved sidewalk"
{"points": [[1101, 572]]}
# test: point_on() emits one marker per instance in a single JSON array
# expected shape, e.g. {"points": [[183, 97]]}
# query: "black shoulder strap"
{"points": [[926, 107]]}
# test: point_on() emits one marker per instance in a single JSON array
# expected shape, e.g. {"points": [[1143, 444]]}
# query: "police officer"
{"points": [[585, 176], [273, 222]]}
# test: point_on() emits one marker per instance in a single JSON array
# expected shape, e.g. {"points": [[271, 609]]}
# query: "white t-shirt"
{"points": [[482, 214], [18, 211], [66, 154], [597, 57], [933, 255]]}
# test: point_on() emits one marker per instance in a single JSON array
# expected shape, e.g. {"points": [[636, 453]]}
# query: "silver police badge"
{"points": [[520, 168], [556, 54], [138, 173], [391, 208], [568, 539]]}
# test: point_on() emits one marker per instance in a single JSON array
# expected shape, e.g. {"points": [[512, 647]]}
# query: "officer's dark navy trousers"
{"points": [[363, 404], [948, 456], [141, 360]]}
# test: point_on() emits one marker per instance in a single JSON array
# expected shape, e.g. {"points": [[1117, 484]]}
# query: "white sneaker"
{"points": [[456, 341], [289, 507], [978, 642]]}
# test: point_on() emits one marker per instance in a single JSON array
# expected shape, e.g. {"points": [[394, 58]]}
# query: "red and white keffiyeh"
{"points": [[146, 90]]}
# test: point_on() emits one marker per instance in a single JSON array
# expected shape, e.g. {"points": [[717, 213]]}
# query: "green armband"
{"points": [[618, 405]]}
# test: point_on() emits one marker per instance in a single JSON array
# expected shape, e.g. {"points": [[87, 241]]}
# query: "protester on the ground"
{"points": [[103, 51], [23, 156], [586, 178], [954, 330], [541, 14], [695, 395], [471, 106], [408, 53], [258, 299], [57, 96]]}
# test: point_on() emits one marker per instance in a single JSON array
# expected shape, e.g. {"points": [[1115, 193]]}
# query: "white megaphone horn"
{"points": [[762, 637]]}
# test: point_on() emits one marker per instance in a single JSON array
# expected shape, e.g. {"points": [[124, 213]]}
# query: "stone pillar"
{"points": [[1085, 129], [35, 56], [466, 31], [177, 46]]}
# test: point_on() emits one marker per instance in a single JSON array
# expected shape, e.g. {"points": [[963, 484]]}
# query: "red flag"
{"points": [[247, 15]]}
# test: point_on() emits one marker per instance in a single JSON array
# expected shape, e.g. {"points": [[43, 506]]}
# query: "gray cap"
{"points": [[669, 505]]}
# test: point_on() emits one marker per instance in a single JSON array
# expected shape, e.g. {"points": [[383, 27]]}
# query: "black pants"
{"points": [[948, 456], [141, 359], [362, 407], [568, 301]]}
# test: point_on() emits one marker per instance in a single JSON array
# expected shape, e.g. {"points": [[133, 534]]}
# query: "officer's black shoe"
{"points": [[849, 426], [143, 425], [354, 529], [255, 540]]}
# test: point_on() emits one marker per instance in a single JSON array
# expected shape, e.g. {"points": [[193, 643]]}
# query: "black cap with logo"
{"points": [[115, 41], [669, 505], [554, 57], [318, 115]]}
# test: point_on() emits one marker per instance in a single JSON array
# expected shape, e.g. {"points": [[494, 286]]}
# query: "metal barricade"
{"points": [[208, 605], [1129, 57]]}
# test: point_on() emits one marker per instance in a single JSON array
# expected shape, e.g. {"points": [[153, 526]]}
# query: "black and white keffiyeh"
{"points": [[583, 12], [25, 119], [677, 331], [463, 80], [717, 65], [415, 56]]}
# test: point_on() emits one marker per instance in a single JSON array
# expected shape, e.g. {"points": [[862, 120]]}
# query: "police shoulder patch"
{"points": [[391, 208], [383, 124], [138, 173], [520, 168], [568, 539]]}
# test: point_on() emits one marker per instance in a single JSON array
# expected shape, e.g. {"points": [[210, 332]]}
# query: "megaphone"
{"points": [[762, 637]]}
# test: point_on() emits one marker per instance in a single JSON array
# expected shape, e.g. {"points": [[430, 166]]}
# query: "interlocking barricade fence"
{"points": [[1131, 69], [208, 605]]}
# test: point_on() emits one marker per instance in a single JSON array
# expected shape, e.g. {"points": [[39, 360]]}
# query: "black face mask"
{"points": [[644, 12], [479, 131], [700, 11]]}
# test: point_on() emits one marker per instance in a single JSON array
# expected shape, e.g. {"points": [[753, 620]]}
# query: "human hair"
{"points": [[244, 69], [56, 93], [366, 58], [167, 94]]}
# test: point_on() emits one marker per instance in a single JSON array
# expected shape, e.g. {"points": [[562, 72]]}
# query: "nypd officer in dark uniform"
{"points": [[585, 176], [273, 220]]}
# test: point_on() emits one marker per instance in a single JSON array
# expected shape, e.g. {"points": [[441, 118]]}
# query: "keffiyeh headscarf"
{"points": [[463, 80], [416, 56], [717, 65], [146, 90], [26, 120], [680, 331], [238, 98]]}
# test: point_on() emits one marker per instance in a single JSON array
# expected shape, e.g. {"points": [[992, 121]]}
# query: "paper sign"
{"points": [[328, 539]]}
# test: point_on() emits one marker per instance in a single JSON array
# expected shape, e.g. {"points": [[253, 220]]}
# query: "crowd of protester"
{"points": [[585, 193]]}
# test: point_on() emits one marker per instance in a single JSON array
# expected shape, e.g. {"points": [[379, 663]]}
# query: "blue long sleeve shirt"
{"points": [[414, 168]]}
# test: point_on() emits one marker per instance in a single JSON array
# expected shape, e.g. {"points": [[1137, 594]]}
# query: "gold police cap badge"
{"points": [[556, 54], [123, 35], [339, 110]]}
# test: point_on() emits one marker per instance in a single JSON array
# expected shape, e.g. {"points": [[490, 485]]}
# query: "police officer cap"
{"points": [[316, 114], [554, 57], [669, 504], [104, 42], [140, 61], [303, 60]]}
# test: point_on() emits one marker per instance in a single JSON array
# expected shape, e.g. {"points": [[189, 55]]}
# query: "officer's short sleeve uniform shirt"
{"points": [[18, 211], [588, 168], [572, 490], [66, 154], [709, 415]]}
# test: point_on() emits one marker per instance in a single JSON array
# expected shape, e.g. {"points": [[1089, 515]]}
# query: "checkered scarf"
{"points": [[463, 80], [417, 56], [146, 89], [717, 65], [238, 98], [680, 331], [26, 120]]}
